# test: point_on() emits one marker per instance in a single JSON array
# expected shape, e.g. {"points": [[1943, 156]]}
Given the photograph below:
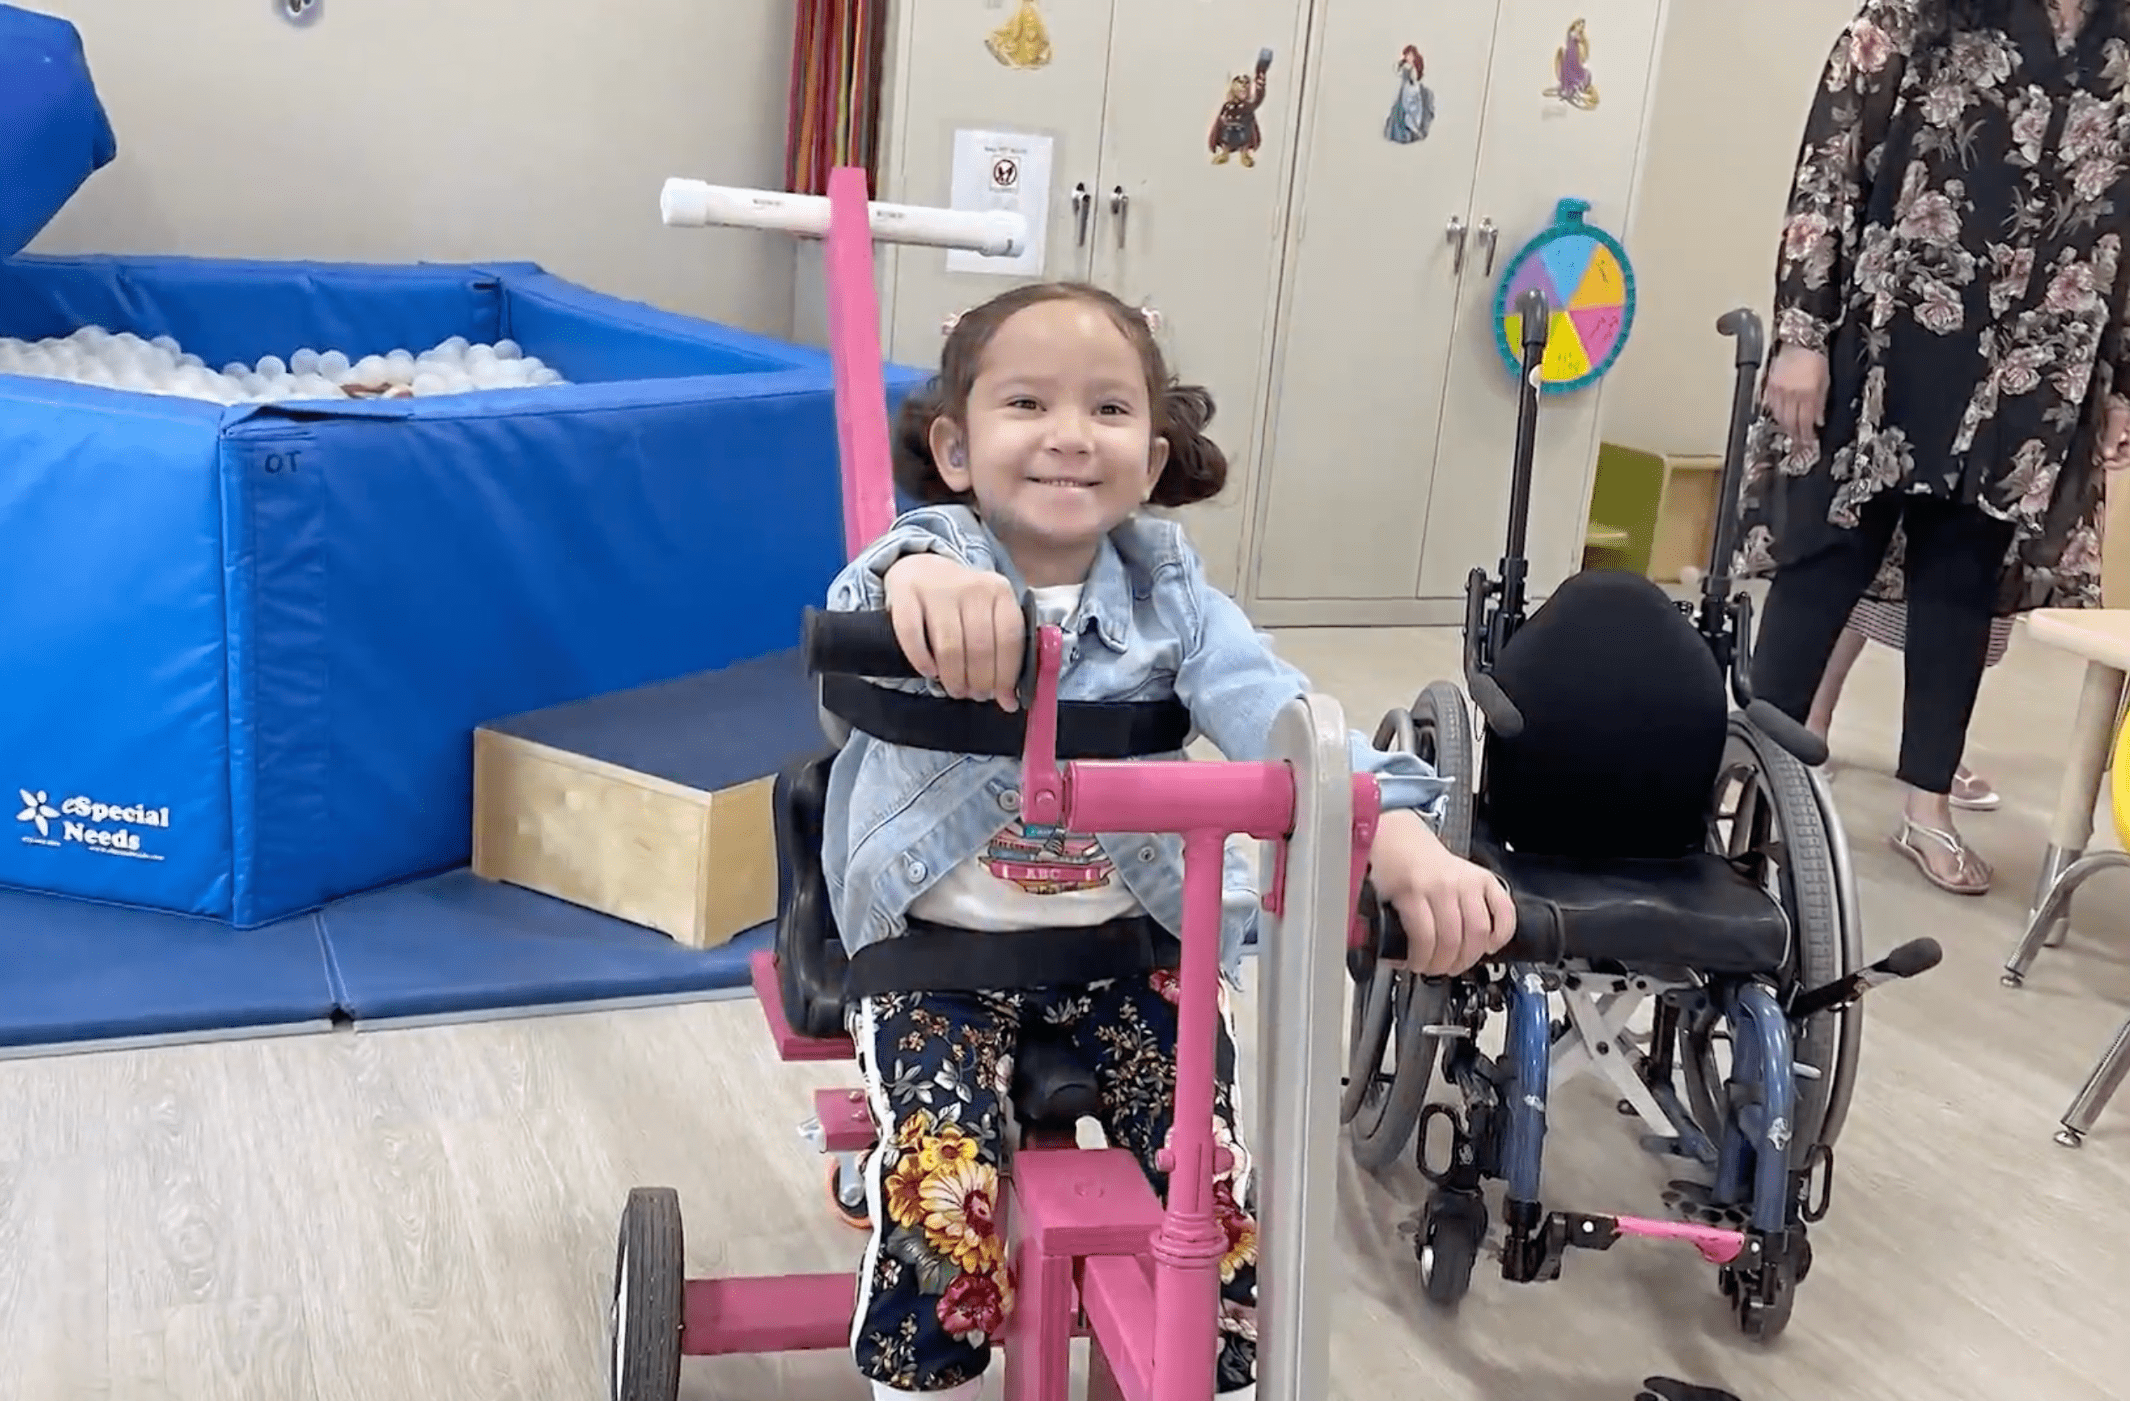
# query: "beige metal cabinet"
{"points": [[1128, 94], [1336, 292], [1392, 418]]}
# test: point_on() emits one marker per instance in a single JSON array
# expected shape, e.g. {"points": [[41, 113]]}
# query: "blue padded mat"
{"points": [[54, 133], [457, 944], [78, 971]]}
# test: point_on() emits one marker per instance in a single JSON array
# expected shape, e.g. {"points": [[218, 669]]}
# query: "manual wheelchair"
{"points": [[1660, 847]]}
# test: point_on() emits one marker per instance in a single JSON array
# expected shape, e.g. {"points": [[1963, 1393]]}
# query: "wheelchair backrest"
{"points": [[1625, 718]]}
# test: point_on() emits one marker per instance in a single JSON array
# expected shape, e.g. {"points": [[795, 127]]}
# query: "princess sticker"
{"points": [[1572, 80], [1235, 130], [1413, 112], [1023, 41]]}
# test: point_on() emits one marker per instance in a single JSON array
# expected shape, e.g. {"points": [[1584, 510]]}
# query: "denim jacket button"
{"points": [[1010, 800], [915, 870], [1146, 854]]}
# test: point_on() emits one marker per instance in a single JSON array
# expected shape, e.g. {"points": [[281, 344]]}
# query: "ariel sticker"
{"points": [[1572, 80], [1235, 130], [1023, 41], [1414, 110]]}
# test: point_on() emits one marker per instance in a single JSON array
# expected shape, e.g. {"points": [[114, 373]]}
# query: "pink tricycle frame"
{"points": [[1094, 1252]]}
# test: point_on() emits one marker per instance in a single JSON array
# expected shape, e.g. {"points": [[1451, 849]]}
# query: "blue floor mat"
{"points": [[455, 944], [77, 971]]}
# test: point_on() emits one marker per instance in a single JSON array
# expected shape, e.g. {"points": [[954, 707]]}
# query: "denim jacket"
{"points": [[1148, 627]]}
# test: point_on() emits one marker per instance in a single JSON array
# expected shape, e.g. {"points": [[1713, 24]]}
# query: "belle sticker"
{"points": [[1413, 112], [1235, 130], [1023, 41], [1572, 80]]}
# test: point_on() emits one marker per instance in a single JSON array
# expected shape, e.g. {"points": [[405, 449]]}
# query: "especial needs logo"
{"points": [[82, 821]]}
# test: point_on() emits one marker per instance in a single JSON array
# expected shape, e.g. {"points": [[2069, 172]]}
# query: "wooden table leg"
{"points": [[2100, 703]]}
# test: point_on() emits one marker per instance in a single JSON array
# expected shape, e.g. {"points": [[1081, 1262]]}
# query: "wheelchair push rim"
{"points": [[1768, 801], [1391, 1008]]}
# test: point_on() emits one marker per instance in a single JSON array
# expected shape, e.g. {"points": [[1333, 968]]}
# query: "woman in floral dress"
{"points": [[1951, 340]]}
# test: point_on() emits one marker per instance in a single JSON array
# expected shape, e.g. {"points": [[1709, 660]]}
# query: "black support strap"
{"points": [[930, 958], [1086, 729]]}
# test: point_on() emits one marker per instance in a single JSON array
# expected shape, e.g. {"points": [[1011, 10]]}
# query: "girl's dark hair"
{"points": [[1196, 468]]}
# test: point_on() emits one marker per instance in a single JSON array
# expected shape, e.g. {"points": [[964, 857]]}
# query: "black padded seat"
{"points": [[1644, 914], [1052, 1086]]}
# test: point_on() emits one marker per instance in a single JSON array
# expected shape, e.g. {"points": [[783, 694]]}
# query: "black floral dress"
{"points": [[1954, 244]]}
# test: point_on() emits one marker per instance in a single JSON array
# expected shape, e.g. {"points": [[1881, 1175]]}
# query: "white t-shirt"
{"points": [[1023, 882]]}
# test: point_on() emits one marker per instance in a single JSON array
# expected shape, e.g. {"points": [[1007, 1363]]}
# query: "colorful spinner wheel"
{"points": [[1588, 283]]}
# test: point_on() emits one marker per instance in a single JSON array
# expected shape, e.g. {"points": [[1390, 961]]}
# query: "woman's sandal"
{"points": [[1973, 792], [1972, 874]]}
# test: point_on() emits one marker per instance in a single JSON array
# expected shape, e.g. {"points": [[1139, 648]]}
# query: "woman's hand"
{"points": [[1455, 914], [962, 627], [2114, 445], [1796, 392]]}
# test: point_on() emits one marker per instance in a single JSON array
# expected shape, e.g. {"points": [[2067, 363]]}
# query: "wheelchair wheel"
{"points": [[1768, 802], [1391, 1008], [650, 1290]]}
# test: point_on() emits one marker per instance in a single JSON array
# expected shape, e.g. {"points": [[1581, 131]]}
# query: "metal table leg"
{"points": [[2100, 1087], [2100, 702]]}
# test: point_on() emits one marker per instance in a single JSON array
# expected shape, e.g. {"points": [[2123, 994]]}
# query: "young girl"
{"points": [[1052, 422]]}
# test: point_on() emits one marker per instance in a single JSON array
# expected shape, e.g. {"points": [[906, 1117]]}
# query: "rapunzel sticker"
{"points": [[1023, 41], [1573, 82], [1413, 111], [1235, 130]]}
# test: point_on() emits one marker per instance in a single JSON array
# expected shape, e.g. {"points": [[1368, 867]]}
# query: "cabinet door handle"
{"points": [[1083, 205], [1118, 202], [1488, 235], [1456, 239]]}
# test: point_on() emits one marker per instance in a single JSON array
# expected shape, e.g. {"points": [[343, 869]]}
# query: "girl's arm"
{"points": [[862, 584], [1234, 684], [1838, 159]]}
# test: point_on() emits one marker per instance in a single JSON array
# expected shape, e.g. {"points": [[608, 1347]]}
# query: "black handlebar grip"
{"points": [[1744, 323], [1538, 938], [1537, 319], [859, 644]]}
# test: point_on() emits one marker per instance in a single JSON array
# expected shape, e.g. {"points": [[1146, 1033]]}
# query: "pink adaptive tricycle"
{"points": [[1094, 1252]]}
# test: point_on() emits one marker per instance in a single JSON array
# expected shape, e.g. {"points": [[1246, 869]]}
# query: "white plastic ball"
{"points": [[333, 365], [304, 362]]}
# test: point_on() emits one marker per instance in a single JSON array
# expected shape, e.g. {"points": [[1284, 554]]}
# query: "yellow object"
{"points": [[1023, 41], [2119, 785]]}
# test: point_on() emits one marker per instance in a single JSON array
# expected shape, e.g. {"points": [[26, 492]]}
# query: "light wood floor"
{"points": [[430, 1212]]}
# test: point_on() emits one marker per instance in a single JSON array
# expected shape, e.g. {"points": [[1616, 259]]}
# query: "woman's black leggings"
{"points": [[1955, 558]]}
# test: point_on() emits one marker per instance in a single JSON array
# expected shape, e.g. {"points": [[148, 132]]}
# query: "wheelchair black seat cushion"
{"points": [[811, 964], [1696, 912], [1625, 718]]}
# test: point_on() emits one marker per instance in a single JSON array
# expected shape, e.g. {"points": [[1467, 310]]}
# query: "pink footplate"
{"points": [[1717, 1245], [846, 1120], [1083, 1202], [762, 971]]}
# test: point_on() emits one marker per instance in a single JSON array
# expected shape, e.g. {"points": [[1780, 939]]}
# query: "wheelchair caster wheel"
{"points": [[1448, 1245], [650, 1289], [1762, 1296], [846, 1194]]}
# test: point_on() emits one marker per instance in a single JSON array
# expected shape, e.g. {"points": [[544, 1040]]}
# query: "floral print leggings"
{"points": [[937, 1285]]}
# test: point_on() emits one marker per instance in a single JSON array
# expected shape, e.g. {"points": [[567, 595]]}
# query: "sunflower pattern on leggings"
{"points": [[938, 1288]]}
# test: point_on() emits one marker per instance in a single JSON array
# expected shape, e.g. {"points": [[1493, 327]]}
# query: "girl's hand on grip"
{"points": [[962, 627]]}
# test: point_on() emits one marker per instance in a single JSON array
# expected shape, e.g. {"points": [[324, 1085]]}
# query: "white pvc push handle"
{"points": [[693, 203]]}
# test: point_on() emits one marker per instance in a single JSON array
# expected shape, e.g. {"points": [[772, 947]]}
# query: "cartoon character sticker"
{"points": [[1235, 130], [1413, 111], [1023, 41], [1573, 83]]}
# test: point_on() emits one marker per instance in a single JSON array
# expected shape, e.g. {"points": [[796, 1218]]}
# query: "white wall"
{"points": [[1734, 84], [444, 130]]}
